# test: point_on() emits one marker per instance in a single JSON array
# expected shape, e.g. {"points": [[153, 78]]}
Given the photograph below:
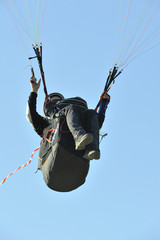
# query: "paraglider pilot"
{"points": [[70, 131]]}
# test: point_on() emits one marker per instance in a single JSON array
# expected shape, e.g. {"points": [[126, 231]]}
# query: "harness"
{"points": [[63, 168]]}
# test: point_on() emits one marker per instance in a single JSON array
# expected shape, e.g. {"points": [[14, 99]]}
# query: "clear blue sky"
{"points": [[121, 197]]}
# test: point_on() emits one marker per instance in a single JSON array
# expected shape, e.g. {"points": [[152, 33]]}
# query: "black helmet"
{"points": [[50, 102]]}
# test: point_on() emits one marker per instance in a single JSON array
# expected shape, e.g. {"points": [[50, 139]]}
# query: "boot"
{"points": [[82, 140], [92, 154]]}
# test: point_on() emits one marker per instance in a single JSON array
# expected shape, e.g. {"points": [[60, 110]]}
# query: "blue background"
{"points": [[121, 197]]}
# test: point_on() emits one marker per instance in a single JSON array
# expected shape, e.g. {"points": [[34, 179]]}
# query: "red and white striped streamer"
{"points": [[20, 166]]}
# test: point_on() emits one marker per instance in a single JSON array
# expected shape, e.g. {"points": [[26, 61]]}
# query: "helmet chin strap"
{"points": [[49, 106]]}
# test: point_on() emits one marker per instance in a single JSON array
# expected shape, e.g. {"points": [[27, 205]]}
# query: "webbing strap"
{"points": [[49, 133]]}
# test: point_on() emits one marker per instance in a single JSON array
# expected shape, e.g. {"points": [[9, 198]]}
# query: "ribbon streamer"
{"points": [[20, 166]]}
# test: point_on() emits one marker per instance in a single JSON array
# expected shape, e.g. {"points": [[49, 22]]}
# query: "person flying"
{"points": [[81, 124]]}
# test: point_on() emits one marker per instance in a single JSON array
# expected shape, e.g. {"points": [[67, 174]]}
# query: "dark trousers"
{"points": [[81, 121]]}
